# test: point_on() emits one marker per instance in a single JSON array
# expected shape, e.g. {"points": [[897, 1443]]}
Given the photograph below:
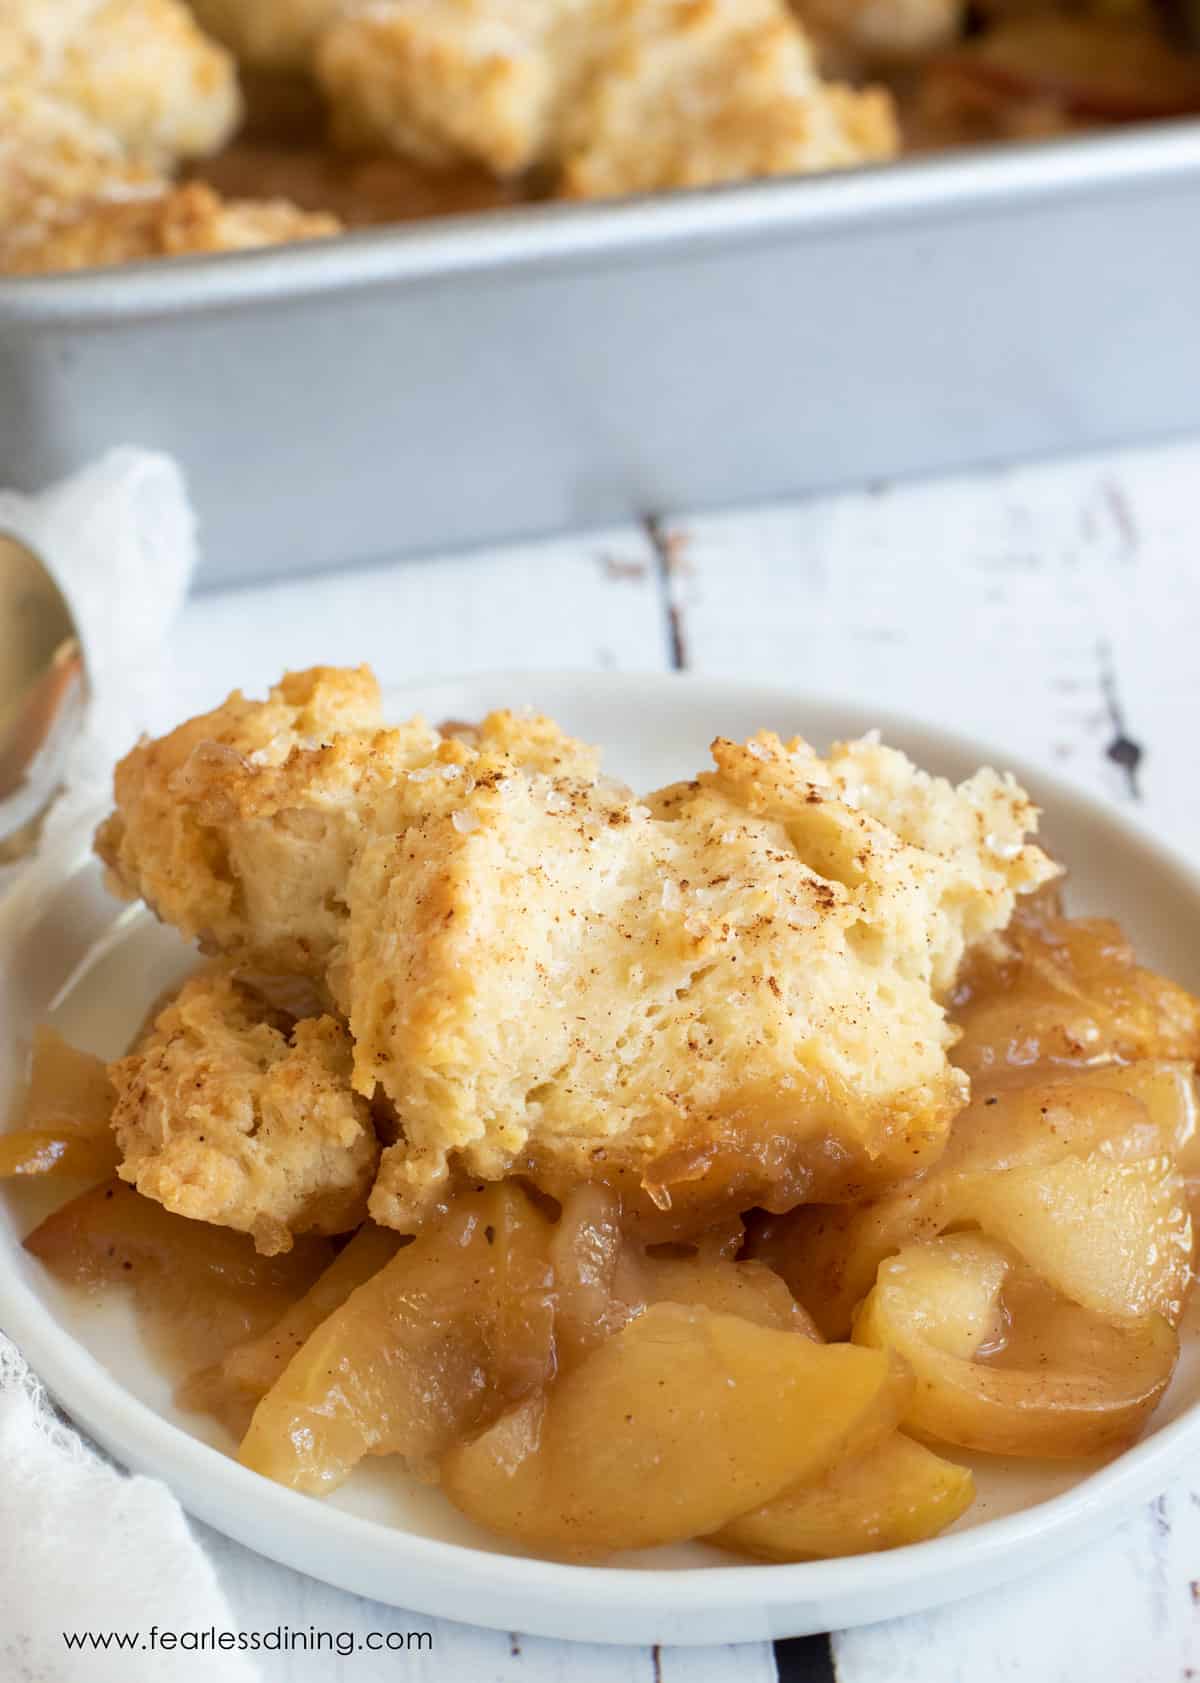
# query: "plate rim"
{"points": [[147, 1441]]}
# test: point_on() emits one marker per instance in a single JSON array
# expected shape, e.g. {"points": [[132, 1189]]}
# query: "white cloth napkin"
{"points": [[87, 1551], [83, 1547], [120, 539]]}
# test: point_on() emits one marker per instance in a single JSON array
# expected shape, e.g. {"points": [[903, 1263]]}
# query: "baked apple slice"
{"points": [[602, 1279], [749, 1289], [235, 1385], [61, 1127], [1111, 1233], [1167, 1088], [1066, 992], [1003, 1363], [670, 1429], [456, 1327], [256, 1365], [897, 1493], [1073, 1174], [199, 1289], [594, 1289]]}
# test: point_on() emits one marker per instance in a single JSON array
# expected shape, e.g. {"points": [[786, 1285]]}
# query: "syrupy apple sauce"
{"points": [[593, 1367]]}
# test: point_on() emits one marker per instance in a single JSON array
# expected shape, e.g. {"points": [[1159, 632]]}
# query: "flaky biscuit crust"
{"points": [[142, 69], [737, 985], [190, 220], [690, 93], [611, 96], [240, 826], [229, 1113], [731, 993], [53, 159], [461, 80]]}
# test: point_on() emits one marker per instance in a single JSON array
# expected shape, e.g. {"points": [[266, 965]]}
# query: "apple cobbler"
{"points": [[714, 1162], [131, 129]]}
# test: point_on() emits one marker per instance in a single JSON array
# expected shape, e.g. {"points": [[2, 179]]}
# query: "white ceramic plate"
{"points": [[70, 954]]}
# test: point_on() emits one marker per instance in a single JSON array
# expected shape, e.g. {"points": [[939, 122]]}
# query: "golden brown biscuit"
{"points": [[228, 1112], [727, 995], [197, 836], [689, 93], [477, 80], [140, 68], [623, 95], [240, 826], [733, 992], [53, 159], [188, 220]]}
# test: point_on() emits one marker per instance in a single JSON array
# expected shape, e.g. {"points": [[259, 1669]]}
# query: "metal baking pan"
{"points": [[523, 371]]}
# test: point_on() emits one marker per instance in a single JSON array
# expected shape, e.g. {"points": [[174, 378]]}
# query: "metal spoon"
{"points": [[43, 689]]}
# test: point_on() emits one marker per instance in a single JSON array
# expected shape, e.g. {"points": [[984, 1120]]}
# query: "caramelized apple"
{"points": [[1062, 1126], [671, 1428], [754, 1159], [61, 1126], [1105, 68], [588, 1254], [1003, 1363], [232, 1388], [457, 1326], [896, 1493], [258, 1364], [1114, 1236], [1074, 1175], [828, 1254], [202, 1289], [1167, 1088], [602, 1280], [613, 1374], [1067, 991], [749, 1289]]}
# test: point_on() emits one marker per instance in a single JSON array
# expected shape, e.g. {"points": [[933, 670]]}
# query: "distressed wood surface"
{"points": [[590, 603], [1054, 611]]}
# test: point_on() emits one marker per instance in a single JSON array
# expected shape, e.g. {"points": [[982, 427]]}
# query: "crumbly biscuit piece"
{"points": [[240, 826], [268, 34], [694, 92], [453, 80], [979, 828], [187, 220], [732, 992], [142, 69], [227, 1112], [625, 95], [243, 874], [53, 158]]}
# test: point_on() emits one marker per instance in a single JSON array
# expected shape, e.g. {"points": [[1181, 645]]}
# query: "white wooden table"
{"points": [[1054, 610]]}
